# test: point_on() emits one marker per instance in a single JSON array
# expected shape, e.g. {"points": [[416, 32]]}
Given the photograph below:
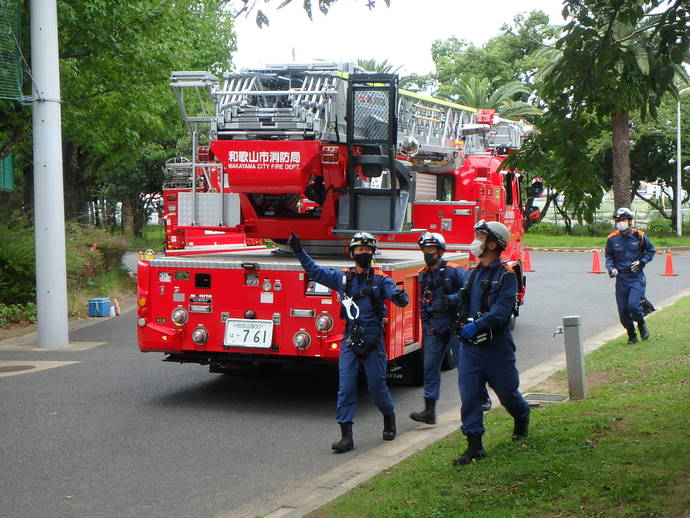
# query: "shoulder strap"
{"points": [[486, 288]]}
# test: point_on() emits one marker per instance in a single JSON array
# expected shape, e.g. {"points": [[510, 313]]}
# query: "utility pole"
{"points": [[49, 209]]}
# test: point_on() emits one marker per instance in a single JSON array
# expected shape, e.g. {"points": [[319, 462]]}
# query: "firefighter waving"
{"points": [[487, 350], [362, 292], [628, 250], [439, 297]]}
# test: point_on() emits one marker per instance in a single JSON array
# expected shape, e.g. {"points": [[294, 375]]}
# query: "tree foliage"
{"points": [[247, 7], [115, 63], [616, 57]]}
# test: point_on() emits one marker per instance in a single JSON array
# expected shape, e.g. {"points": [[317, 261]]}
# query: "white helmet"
{"points": [[496, 230], [623, 213], [362, 239], [432, 239]]}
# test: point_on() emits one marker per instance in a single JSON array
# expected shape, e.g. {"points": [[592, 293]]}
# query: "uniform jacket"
{"points": [[383, 288], [444, 289], [502, 296], [624, 248]]}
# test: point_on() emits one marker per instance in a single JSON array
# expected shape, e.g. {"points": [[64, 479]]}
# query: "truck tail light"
{"points": [[179, 316], [324, 322], [141, 322], [200, 335], [330, 154], [301, 340]]}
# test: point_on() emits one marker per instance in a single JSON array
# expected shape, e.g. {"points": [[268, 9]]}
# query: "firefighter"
{"points": [[439, 296], [628, 250], [362, 292], [487, 350]]}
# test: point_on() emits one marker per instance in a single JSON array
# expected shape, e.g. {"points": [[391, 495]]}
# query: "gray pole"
{"points": [[49, 211], [575, 358], [679, 207]]}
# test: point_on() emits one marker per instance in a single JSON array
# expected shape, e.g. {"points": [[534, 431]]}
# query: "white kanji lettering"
{"points": [[232, 156], [253, 156], [263, 156], [295, 157], [242, 156], [284, 156], [275, 156]]}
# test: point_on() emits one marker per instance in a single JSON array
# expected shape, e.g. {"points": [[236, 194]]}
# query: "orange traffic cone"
{"points": [[527, 263], [669, 265], [596, 263]]}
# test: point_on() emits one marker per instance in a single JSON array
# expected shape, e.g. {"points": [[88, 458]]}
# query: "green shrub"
{"points": [[660, 227], [579, 230], [17, 314], [547, 229], [600, 228], [17, 265]]}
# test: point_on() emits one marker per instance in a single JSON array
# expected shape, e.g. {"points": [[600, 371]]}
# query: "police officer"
{"points": [[439, 295], [487, 350], [362, 292], [627, 252]]}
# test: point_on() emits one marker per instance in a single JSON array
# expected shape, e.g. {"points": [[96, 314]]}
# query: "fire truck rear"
{"points": [[323, 150]]}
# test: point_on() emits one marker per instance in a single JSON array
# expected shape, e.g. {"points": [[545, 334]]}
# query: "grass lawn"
{"points": [[622, 452], [595, 242]]}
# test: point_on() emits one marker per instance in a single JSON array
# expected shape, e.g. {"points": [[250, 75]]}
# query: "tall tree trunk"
{"points": [[621, 159], [75, 184]]}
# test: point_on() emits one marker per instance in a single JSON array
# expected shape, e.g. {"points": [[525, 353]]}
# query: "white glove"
{"points": [[636, 266], [613, 272]]}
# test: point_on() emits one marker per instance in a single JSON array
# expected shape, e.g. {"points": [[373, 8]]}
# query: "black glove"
{"points": [[294, 242], [400, 299], [636, 266]]}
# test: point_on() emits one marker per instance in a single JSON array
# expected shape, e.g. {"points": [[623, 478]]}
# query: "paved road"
{"points": [[122, 434]]}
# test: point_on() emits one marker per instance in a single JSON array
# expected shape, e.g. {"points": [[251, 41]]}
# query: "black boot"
{"points": [[428, 415], [486, 405], [642, 328], [632, 337], [345, 443], [520, 428], [389, 430], [474, 450]]}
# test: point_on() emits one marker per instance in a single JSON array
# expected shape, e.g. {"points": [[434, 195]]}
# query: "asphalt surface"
{"points": [[121, 433]]}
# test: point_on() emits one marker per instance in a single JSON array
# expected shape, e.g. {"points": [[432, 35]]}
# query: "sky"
{"points": [[402, 33]]}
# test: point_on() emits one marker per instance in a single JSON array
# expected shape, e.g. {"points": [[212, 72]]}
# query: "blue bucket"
{"points": [[99, 307]]}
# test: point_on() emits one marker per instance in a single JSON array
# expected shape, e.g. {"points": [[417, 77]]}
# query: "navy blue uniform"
{"points": [[375, 364], [623, 249], [494, 360], [438, 301]]}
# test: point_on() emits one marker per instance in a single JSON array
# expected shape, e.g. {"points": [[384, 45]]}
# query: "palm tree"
{"points": [[477, 93], [380, 67]]}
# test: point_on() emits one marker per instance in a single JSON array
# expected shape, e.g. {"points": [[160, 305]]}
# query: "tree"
{"points": [[505, 58], [617, 56], [477, 93], [115, 64]]}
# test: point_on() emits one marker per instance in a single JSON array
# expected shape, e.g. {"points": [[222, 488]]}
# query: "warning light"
{"points": [[165, 338], [334, 346], [141, 302]]}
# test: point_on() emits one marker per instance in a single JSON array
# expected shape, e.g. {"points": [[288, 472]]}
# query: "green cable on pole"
{"points": [[10, 52]]}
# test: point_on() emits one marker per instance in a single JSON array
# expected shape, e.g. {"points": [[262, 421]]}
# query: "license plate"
{"points": [[240, 332]]}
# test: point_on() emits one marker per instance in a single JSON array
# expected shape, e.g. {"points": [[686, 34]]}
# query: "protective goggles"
{"points": [[362, 238], [481, 226]]}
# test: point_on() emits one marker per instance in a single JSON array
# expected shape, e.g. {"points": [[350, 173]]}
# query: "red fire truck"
{"points": [[326, 151]]}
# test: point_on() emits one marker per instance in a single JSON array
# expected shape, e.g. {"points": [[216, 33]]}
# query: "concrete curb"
{"points": [[297, 502]]}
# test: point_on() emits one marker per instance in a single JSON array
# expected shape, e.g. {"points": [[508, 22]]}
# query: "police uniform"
{"points": [[492, 361], [438, 302], [373, 289], [622, 250]]}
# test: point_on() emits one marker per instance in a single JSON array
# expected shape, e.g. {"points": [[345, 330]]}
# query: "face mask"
{"points": [[430, 259], [622, 226], [363, 260], [477, 247]]}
